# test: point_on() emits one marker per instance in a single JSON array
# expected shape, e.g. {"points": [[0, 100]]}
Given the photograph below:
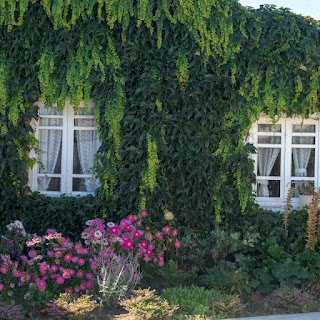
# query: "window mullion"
{"points": [[65, 151]]}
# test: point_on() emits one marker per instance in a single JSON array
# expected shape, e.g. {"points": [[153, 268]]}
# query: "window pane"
{"points": [[303, 187], [85, 146], [303, 128], [83, 184], [50, 122], [50, 143], [49, 184], [89, 110], [268, 188], [84, 123], [269, 140], [303, 140], [49, 111], [303, 162], [269, 127], [269, 161]]}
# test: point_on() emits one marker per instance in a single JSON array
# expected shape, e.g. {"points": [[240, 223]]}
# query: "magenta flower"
{"points": [[139, 223], [114, 230], [137, 234], [32, 253], [144, 213], [81, 262], [76, 289], [149, 237], [67, 257], [60, 280], [54, 268], [84, 251], [80, 274], [177, 244], [41, 284], [4, 268], [66, 274], [127, 244], [166, 229], [89, 284], [159, 235], [68, 290], [89, 275], [149, 252], [83, 286], [75, 259], [160, 263], [143, 244], [50, 253], [16, 273], [175, 232], [135, 217]]}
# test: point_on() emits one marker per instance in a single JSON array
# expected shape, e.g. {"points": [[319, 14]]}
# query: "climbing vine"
{"points": [[176, 87]]}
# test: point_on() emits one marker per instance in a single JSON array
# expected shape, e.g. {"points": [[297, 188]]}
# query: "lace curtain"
{"points": [[86, 150], [266, 160], [50, 143], [301, 156]]}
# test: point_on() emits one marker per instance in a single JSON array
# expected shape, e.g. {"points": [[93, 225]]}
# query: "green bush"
{"points": [[145, 305], [225, 277], [227, 306], [191, 300]]}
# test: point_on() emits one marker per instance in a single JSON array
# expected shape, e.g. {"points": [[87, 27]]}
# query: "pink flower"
{"points": [[89, 275], [159, 235], [177, 244], [43, 267], [89, 284], [81, 262], [32, 253], [60, 280], [16, 273], [58, 254], [80, 274], [139, 223], [4, 268], [54, 268], [143, 244], [175, 232], [166, 229], [93, 266], [137, 234], [1, 286], [127, 244], [83, 286], [123, 223], [84, 251], [160, 263], [67, 257], [50, 253], [68, 290], [144, 213], [29, 243], [75, 259], [149, 252], [76, 289], [41, 284], [149, 237], [130, 217], [114, 230], [147, 258], [135, 217], [57, 261], [66, 274]]}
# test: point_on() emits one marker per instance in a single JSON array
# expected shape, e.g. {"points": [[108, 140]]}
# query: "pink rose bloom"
{"points": [[144, 213]]}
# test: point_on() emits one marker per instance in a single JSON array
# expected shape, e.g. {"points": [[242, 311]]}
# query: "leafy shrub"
{"points": [[191, 300], [209, 249], [225, 277], [168, 276], [292, 300], [145, 305], [11, 311], [227, 306], [66, 307], [313, 288]]}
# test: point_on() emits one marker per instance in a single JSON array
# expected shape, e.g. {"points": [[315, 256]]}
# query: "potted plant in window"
{"points": [[306, 190]]}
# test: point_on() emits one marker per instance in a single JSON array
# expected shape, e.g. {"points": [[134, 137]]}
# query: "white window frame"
{"points": [[286, 146], [68, 128]]}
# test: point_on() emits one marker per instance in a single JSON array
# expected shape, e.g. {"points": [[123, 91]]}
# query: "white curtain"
{"points": [[86, 149], [301, 156], [266, 160], [50, 142]]}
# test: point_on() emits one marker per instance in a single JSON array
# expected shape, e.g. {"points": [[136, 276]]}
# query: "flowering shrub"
{"points": [[10, 311], [52, 264]]}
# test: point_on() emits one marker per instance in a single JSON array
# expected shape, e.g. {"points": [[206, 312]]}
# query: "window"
{"points": [[67, 145], [287, 153]]}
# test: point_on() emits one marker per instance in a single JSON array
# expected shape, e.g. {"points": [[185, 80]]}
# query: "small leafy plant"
{"points": [[145, 305], [227, 306]]}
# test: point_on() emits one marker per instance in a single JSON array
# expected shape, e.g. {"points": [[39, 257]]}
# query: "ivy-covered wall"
{"points": [[176, 86]]}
